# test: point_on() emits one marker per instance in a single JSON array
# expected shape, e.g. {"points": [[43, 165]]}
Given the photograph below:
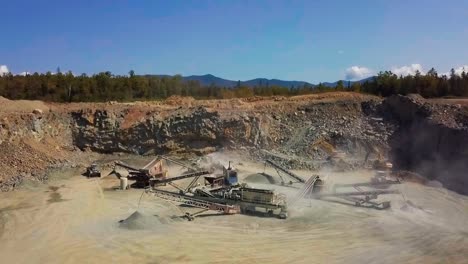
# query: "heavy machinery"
{"points": [[253, 200], [218, 206], [332, 152], [155, 172], [378, 164], [328, 148], [195, 175], [358, 196], [224, 194], [313, 188], [155, 169], [335, 158], [282, 171], [383, 168], [316, 184], [93, 171]]}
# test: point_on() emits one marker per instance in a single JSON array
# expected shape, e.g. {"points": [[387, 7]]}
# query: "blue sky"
{"points": [[294, 40]]}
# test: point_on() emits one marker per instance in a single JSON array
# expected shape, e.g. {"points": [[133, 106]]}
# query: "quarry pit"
{"points": [[60, 216]]}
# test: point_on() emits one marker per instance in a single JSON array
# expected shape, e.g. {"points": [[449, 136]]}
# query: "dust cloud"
{"points": [[94, 223]]}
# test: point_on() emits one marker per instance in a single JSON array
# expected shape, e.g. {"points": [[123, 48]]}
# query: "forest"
{"points": [[104, 86]]}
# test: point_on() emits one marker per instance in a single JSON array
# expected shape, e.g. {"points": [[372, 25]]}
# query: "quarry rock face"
{"points": [[419, 135], [197, 130], [431, 140], [29, 144], [289, 132]]}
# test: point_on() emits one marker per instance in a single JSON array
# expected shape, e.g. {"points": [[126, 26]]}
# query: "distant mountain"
{"points": [[345, 83], [370, 79], [209, 79], [263, 82]]}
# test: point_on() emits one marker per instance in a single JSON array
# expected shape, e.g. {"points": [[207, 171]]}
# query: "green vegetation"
{"points": [[104, 86], [428, 85]]}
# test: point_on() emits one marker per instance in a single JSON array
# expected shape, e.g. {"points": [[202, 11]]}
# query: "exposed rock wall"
{"points": [[197, 131], [431, 140], [288, 132], [34, 125], [428, 138], [30, 143]]}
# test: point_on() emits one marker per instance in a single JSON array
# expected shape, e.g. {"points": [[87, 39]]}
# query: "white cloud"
{"points": [[408, 70], [461, 69], [24, 73], [357, 73], [3, 69], [458, 71]]}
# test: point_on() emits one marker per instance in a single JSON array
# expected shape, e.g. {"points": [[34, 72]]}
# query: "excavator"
{"points": [[322, 144], [380, 163], [335, 157], [383, 168]]}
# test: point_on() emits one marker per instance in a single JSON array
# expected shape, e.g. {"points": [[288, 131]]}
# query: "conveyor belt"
{"points": [[188, 200], [291, 174], [185, 176]]}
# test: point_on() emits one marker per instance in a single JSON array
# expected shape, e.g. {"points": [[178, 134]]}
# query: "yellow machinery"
{"points": [[328, 148]]}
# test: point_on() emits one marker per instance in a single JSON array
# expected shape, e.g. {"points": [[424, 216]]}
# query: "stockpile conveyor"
{"points": [[191, 201], [312, 189], [196, 175], [280, 169]]}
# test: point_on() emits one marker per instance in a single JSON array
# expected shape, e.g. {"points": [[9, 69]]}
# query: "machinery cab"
{"points": [[214, 181], [382, 165], [318, 185], [382, 176], [230, 175], [156, 169]]}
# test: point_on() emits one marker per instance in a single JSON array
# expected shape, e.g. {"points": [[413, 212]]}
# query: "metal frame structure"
{"points": [[279, 169], [359, 197], [191, 201]]}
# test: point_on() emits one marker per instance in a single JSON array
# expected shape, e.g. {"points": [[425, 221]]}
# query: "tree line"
{"points": [[104, 86], [428, 85]]}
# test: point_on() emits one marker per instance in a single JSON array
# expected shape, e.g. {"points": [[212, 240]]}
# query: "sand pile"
{"points": [[140, 221], [20, 160], [175, 100], [260, 178], [24, 106]]}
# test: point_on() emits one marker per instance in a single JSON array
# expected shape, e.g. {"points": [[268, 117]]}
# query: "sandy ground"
{"points": [[461, 101], [76, 220], [241, 104]]}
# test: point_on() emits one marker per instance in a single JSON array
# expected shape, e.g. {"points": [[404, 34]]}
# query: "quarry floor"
{"points": [[72, 219]]}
